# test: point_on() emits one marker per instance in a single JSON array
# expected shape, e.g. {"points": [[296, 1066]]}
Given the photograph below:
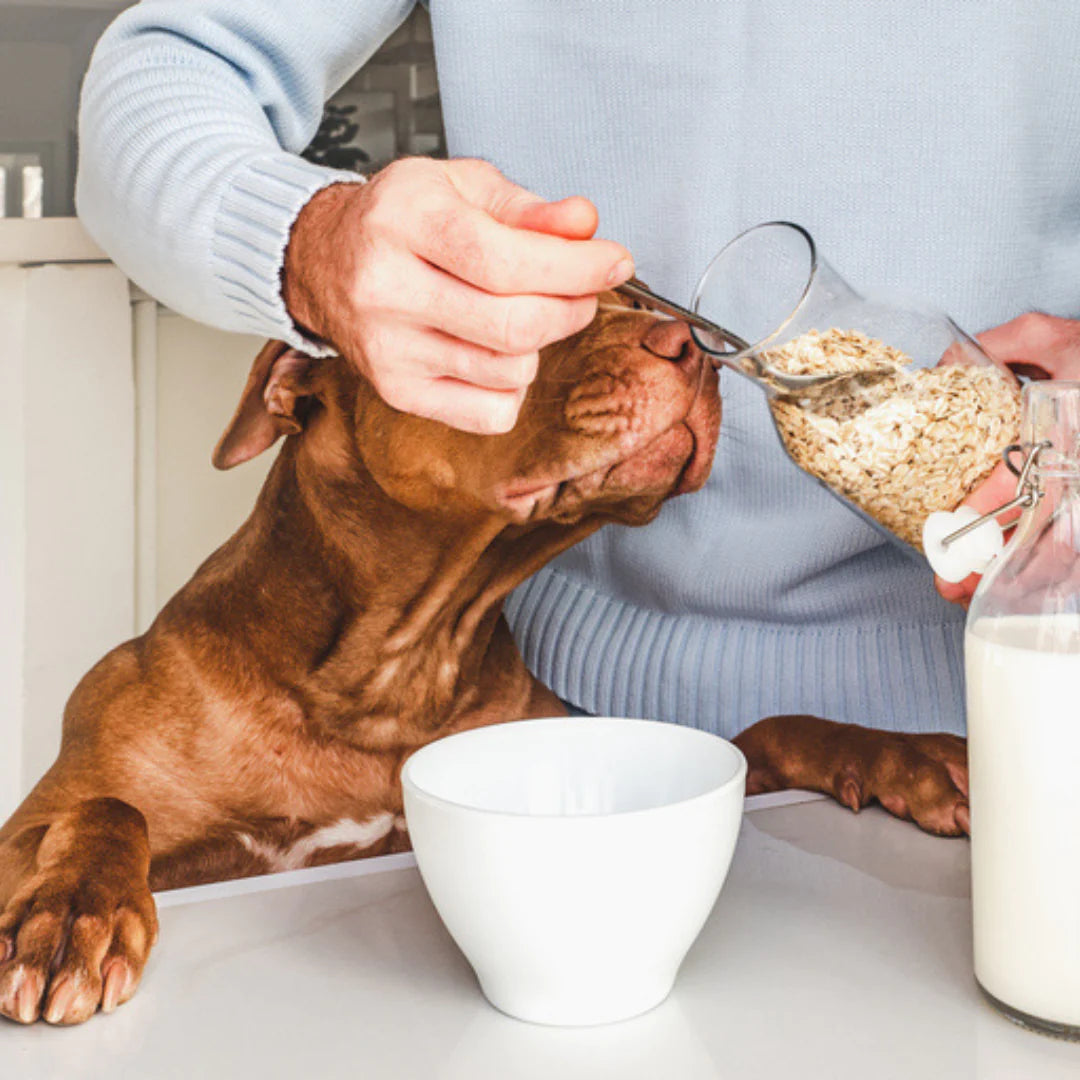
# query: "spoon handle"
{"points": [[634, 290]]}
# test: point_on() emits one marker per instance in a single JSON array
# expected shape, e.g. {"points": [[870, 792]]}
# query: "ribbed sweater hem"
{"points": [[614, 658], [251, 233]]}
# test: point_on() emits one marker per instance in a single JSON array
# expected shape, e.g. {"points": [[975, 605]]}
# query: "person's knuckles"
{"points": [[408, 205], [486, 369], [399, 393], [519, 372], [1041, 332], [445, 230], [1046, 341], [481, 183], [484, 412], [579, 312], [385, 197], [502, 414], [527, 324], [530, 323], [390, 282]]}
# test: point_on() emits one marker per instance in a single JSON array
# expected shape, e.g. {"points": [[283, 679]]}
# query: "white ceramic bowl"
{"points": [[575, 859]]}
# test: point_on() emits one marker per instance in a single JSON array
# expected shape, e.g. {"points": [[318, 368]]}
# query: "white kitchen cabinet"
{"points": [[111, 406]]}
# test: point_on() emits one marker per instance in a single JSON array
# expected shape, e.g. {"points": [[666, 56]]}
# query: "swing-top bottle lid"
{"points": [[1051, 418]]}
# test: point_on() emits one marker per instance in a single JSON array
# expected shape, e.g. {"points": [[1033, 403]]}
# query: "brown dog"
{"points": [[263, 719]]}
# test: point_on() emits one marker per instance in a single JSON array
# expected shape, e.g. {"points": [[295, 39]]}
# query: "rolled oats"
{"points": [[899, 446]]}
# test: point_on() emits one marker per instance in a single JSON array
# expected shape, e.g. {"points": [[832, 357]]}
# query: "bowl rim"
{"points": [[738, 777]]}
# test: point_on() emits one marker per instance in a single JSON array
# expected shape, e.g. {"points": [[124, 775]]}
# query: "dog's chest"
{"points": [[291, 846]]}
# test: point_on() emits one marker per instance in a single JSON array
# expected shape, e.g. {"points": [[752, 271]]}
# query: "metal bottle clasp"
{"points": [[1027, 491]]}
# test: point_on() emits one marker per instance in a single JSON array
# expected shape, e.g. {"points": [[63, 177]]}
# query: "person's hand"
{"points": [[441, 281], [1039, 347]]}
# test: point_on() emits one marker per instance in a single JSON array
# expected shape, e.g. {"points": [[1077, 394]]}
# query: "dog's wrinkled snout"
{"points": [[670, 340]]}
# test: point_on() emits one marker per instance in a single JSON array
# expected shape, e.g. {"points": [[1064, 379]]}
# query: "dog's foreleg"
{"points": [[78, 919], [921, 777]]}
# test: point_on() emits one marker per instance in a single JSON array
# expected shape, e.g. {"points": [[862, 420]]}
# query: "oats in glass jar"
{"points": [[900, 446]]}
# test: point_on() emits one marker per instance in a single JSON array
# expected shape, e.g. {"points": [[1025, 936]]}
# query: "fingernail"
{"points": [[623, 270]]}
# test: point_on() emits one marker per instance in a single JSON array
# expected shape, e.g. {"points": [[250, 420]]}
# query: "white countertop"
{"points": [[839, 948]]}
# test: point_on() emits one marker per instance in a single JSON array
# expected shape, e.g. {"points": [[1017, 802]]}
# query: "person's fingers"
{"points": [[457, 404], [514, 325], [1036, 345], [503, 239], [996, 490], [434, 355], [958, 592], [574, 218], [470, 244], [483, 368]]}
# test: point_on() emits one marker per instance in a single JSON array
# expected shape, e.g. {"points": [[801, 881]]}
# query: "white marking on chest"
{"points": [[343, 833]]}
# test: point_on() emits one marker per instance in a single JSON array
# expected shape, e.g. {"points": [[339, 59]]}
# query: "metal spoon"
{"points": [[764, 375]]}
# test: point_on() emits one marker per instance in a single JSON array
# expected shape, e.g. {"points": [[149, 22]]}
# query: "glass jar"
{"points": [[1022, 653], [894, 447]]}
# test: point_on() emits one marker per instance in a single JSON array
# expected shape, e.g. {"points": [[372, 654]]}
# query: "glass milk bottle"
{"points": [[1023, 684]]}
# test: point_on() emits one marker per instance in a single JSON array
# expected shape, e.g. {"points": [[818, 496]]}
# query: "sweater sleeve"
{"points": [[192, 115]]}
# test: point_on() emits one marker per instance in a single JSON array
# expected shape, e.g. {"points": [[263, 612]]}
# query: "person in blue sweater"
{"points": [[934, 147]]}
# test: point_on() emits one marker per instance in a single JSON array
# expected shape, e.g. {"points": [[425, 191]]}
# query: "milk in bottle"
{"points": [[1022, 651]]}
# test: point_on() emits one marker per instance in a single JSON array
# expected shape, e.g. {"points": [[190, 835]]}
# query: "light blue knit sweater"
{"points": [[932, 145]]}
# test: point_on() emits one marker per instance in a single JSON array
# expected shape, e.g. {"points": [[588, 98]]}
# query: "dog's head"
{"points": [[621, 416]]}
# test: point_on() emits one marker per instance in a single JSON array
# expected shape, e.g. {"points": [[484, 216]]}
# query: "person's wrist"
{"points": [[307, 272]]}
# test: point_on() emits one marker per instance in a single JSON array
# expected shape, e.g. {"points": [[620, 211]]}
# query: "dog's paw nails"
{"points": [[59, 1001], [26, 992], [850, 794], [117, 979], [963, 817], [958, 774]]}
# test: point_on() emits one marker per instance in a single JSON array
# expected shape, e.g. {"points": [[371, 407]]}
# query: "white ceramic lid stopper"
{"points": [[969, 554]]}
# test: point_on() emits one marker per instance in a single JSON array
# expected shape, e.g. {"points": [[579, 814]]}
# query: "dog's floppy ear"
{"points": [[268, 405]]}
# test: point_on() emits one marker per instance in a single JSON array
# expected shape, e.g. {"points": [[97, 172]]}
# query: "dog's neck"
{"points": [[394, 615]]}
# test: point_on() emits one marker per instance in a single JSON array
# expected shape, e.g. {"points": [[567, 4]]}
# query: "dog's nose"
{"points": [[670, 339]]}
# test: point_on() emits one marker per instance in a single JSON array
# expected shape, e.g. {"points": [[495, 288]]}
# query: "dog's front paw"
{"points": [[79, 924], [921, 778], [70, 946]]}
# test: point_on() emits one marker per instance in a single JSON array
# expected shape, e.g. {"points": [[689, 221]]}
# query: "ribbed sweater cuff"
{"points": [[251, 232]]}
